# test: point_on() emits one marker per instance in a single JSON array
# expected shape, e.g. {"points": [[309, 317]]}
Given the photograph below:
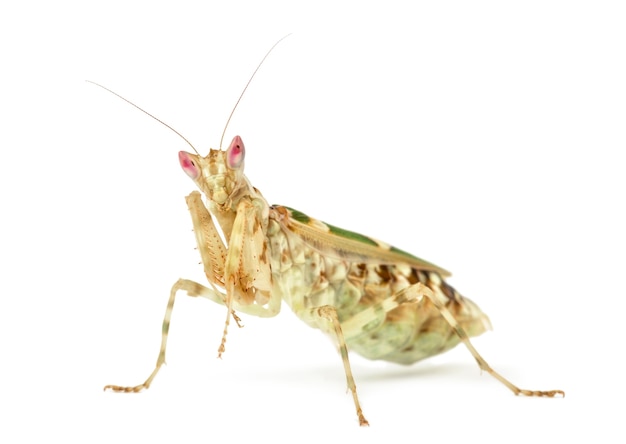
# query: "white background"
{"points": [[486, 138]]}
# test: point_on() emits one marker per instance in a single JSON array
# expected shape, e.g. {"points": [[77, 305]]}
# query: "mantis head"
{"points": [[218, 175]]}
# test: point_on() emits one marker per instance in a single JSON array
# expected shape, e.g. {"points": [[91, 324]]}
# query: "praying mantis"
{"points": [[369, 297]]}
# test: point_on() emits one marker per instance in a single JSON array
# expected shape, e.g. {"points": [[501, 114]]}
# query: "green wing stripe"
{"points": [[303, 218], [299, 216], [415, 258], [351, 235]]}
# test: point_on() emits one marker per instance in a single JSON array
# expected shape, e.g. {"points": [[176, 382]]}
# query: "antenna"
{"points": [[229, 117], [145, 112], [246, 87]]}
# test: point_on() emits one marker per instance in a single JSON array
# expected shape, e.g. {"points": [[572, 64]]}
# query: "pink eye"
{"points": [[235, 153], [188, 164]]}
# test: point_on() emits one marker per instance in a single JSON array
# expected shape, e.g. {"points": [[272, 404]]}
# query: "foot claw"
{"points": [[547, 393], [120, 389]]}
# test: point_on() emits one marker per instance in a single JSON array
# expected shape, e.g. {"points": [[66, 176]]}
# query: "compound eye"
{"points": [[235, 153], [189, 164]]}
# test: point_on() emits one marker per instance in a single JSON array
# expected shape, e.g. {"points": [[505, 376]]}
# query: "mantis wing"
{"points": [[354, 247]]}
